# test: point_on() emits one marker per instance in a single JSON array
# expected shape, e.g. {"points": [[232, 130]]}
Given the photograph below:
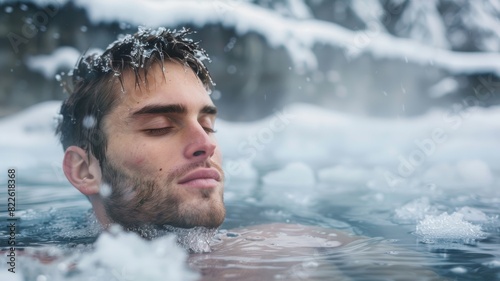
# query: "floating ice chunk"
{"points": [[459, 270], [448, 227], [492, 264], [475, 171], [472, 214], [129, 257], [415, 210], [293, 174]]}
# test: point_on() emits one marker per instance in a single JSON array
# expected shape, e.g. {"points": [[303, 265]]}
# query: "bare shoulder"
{"points": [[262, 252], [287, 236]]}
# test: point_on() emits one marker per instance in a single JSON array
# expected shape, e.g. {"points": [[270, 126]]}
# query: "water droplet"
{"points": [[24, 7], [58, 77], [83, 28], [385, 93], [406, 59], [8, 9]]}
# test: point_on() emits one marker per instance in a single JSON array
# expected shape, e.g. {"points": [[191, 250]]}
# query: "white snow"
{"points": [[473, 214], [492, 264], [448, 227], [475, 171], [117, 255], [466, 156], [297, 37], [459, 270], [415, 210], [444, 87], [422, 21], [31, 143], [62, 58]]}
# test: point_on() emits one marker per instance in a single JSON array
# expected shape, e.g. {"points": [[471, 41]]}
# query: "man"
{"points": [[138, 124], [138, 133]]}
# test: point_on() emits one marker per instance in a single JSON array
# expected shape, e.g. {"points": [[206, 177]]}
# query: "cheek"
{"points": [[135, 160]]}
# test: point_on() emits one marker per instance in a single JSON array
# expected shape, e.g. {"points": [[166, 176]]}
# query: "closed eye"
{"points": [[209, 130], [158, 131]]}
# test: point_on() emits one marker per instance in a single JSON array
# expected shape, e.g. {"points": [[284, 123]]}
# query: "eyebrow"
{"points": [[171, 108]]}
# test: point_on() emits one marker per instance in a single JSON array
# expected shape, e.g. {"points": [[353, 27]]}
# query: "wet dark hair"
{"points": [[97, 79]]}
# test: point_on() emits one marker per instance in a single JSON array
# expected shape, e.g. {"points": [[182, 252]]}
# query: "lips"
{"points": [[201, 178]]}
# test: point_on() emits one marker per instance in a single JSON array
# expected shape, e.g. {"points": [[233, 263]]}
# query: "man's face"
{"points": [[162, 160]]}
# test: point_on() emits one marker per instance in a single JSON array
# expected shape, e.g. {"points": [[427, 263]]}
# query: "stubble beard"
{"points": [[138, 203]]}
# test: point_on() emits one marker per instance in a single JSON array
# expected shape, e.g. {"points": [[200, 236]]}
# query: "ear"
{"points": [[82, 170]]}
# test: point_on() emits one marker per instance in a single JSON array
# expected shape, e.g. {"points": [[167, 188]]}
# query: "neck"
{"points": [[195, 240]]}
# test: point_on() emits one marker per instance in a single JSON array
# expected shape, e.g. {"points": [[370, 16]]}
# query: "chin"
{"points": [[204, 214]]}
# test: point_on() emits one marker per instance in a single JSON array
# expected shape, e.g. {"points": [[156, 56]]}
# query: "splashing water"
{"points": [[196, 239]]}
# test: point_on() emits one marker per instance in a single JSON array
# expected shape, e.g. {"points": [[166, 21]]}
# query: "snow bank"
{"points": [[116, 255], [29, 143], [128, 257], [49, 65], [338, 148], [296, 36], [63, 58]]}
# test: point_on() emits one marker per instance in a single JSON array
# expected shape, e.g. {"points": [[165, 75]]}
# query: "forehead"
{"points": [[170, 83]]}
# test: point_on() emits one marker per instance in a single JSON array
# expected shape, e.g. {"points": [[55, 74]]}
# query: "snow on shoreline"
{"points": [[336, 146], [296, 36]]}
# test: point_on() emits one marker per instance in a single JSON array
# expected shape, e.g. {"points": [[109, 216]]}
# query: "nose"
{"points": [[201, 145]]}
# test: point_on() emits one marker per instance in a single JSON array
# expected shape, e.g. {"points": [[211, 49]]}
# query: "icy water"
{"points": [[428, 215]]}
